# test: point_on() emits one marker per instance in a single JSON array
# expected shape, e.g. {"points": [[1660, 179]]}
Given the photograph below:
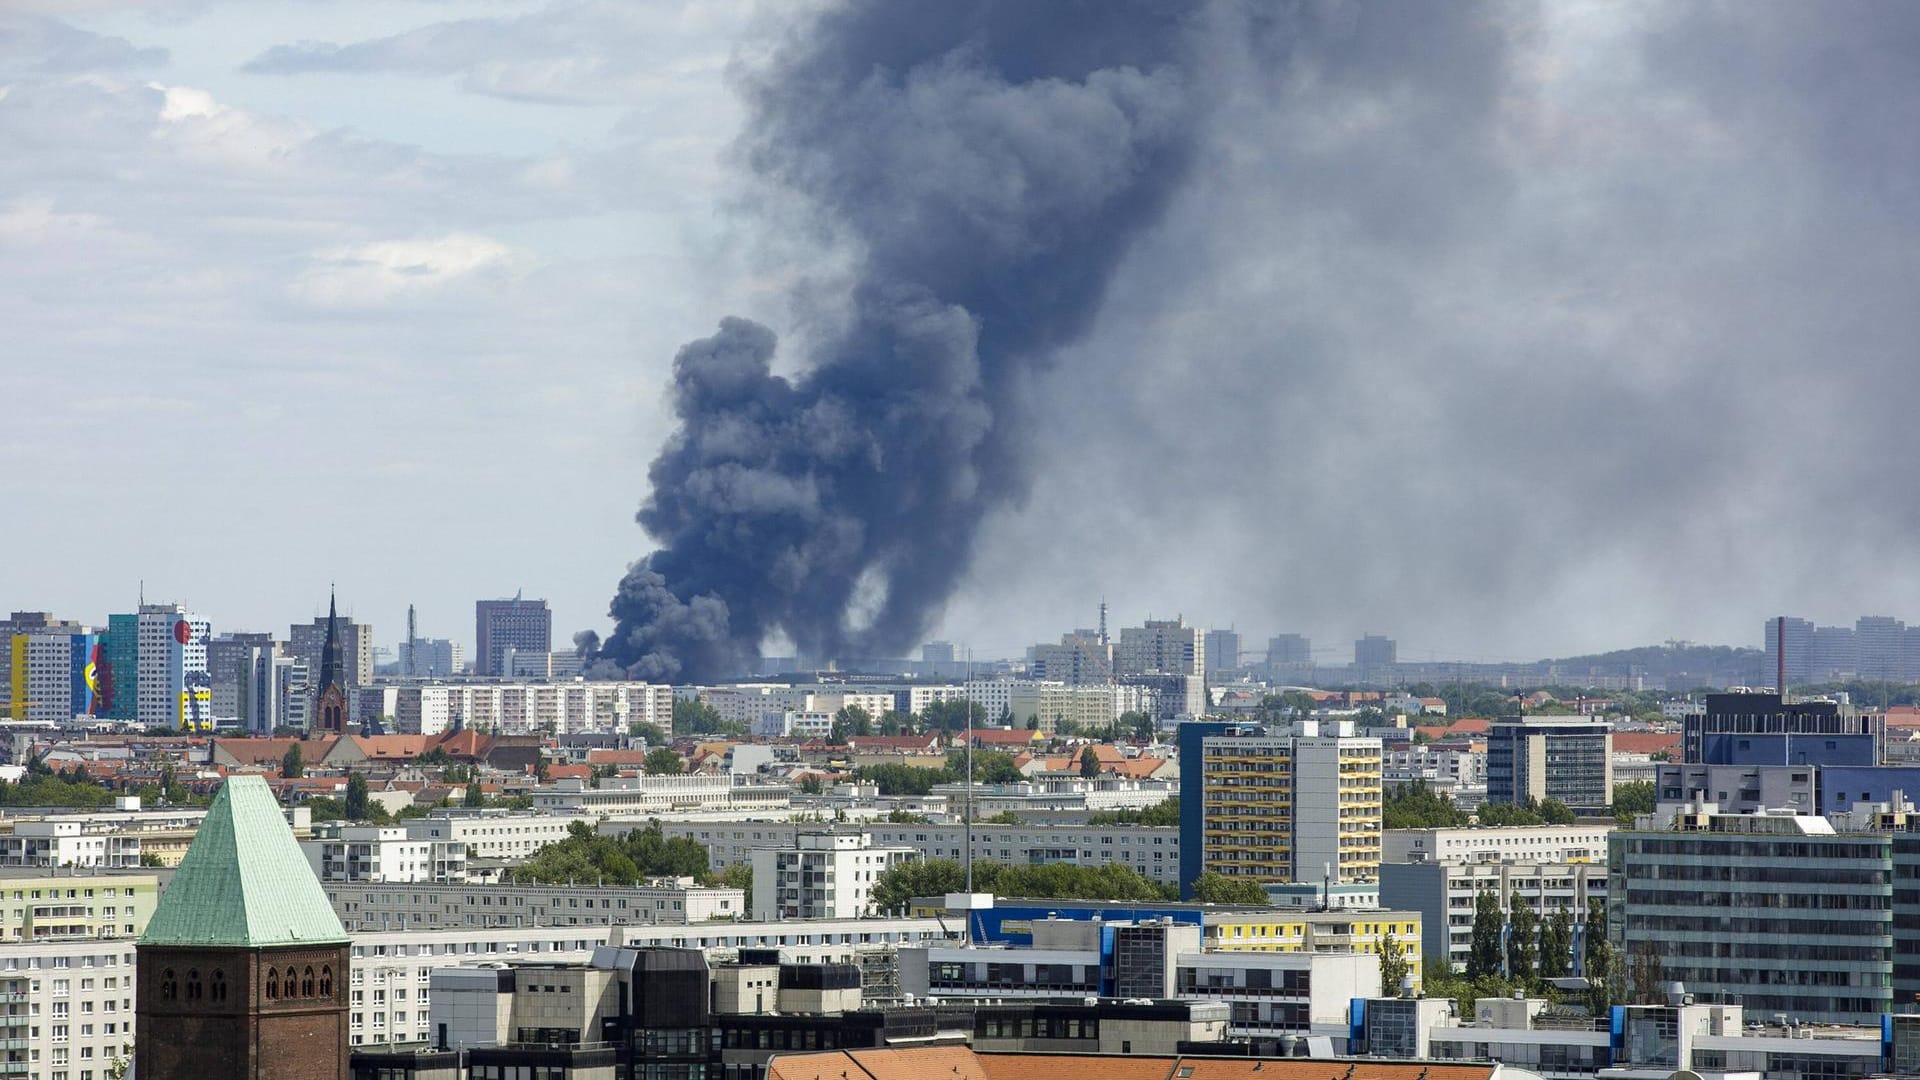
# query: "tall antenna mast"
{"points": [[413, 645]]}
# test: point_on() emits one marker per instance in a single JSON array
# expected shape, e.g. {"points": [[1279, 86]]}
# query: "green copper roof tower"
{"points": [[243, 970], [244, 883]]}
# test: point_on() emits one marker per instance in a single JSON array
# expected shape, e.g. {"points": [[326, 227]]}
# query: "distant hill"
{"points": [[1681, 665]]}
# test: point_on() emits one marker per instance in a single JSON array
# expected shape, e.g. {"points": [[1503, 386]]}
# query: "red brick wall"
{"points": [[247, 1036]]}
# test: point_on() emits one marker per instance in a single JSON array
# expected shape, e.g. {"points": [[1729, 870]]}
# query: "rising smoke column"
{"points": [[991, 163]]}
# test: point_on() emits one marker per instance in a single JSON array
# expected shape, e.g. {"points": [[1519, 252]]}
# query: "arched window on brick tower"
{"points": [[273, 983], [326, 981], [169, 986], [306, 984], [193, 984], [217, 985]]}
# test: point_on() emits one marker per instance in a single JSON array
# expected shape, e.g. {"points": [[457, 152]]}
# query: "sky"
{"points": [[1559, 328]]}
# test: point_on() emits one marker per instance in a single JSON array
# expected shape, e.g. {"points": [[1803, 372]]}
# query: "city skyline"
{"points": [[457, 246]]}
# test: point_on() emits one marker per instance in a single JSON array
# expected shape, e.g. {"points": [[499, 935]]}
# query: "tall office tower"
{"points": [[1169, 646], [1223, 650], [429, 658], [1799, 641], [525, 626], [50, 676], [1374, 657], [1879, 641], [1299, 803], [172, 688], [937, 652], [1568, 758], [1289, 652], [29, 622], [224, 655], [1082, 657], [306, 640], [1835, 656]]}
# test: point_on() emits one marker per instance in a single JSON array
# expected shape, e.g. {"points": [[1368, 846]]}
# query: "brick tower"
{"points": [[243, 968]]}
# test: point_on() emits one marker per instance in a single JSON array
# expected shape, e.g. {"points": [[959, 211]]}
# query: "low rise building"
{"points": [[657, 794], [382, 854], [52, 905], [667, 902], [494, 834], [1496, 844], [1152, 851], [825, 875], [1445, 893]]}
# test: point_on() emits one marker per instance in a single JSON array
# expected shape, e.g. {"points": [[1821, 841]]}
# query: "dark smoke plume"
{"points": [[991, 163]]}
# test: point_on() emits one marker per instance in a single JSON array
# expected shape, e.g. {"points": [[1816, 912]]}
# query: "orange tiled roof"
{"points": [[1646, 742]]}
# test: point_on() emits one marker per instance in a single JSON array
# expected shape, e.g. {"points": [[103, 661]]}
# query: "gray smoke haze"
{"points": [[1499, 327], [990, 163], [1581, 326]]}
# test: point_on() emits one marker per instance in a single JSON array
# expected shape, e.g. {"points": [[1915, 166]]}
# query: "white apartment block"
{"points": [[383, 854], [1445, 895], [67, 1008], [656, 794], [392, 970], [669, 902], [1437, 768], [1052, 704], [1508, 843], [824, 875], [1152, 851], [509, 708], [493, 834], [68, 842], [751, 703]]}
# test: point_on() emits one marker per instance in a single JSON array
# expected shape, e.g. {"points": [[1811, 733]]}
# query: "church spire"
{"points": [[330, 704]]}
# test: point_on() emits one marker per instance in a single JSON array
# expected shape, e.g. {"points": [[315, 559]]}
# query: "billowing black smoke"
{"points": [[991, 163]]}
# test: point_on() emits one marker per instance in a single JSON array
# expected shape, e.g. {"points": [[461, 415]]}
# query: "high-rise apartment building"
{"points": [[1798, 635], [51, 676], [1879, 643], [225, 653], [29, 622], [525, 626], [427, 658], [273, 691], [1834, 654], [1167, 646], [1223, 650], [1374, 656], [172, 688], [1289, 653], [1534, 758], [1282, 805]]}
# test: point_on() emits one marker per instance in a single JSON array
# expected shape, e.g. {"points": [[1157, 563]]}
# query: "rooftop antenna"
{"points": [[413, 646]]}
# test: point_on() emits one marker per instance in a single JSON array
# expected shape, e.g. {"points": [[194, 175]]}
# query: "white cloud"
{"points": [[401, 271]]}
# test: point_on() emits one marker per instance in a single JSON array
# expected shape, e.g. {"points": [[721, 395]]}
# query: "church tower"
{"points": [[330, 705], [243, 968]]}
